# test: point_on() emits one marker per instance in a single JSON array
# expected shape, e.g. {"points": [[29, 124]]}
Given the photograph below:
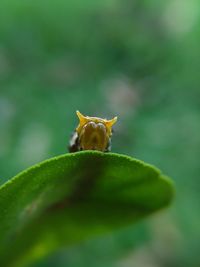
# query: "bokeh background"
{"points": [[139, 60]]}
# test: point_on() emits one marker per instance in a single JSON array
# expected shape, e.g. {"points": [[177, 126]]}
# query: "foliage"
{"points": [[70, 198], [134, 59]]}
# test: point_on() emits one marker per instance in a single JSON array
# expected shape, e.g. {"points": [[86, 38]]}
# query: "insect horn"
{"points": [[110, 123], [82, 118]]}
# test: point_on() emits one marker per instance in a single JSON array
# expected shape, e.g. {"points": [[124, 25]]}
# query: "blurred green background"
{"points": [[138, 60]]}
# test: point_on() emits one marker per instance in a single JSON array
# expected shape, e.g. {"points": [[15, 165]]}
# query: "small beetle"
{"points": [[92, 133]]}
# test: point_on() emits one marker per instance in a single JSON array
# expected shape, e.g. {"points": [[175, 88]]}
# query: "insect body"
{"points": [[92, 133]]}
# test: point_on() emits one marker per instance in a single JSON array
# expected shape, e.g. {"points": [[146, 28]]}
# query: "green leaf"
{"points": [[73, 197]]}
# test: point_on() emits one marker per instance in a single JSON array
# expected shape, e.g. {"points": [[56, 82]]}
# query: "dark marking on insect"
{"points": [[92, 133]]}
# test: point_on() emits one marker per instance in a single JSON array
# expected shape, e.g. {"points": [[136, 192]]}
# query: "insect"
{"points": [[92, 133]]}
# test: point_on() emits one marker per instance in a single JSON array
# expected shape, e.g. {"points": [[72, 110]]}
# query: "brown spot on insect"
{"points": [[92, 133]]}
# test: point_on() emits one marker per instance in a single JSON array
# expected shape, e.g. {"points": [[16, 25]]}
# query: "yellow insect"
{"points": [[92, 133]]}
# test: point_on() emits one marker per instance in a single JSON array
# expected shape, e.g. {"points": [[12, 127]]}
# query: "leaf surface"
{"points": [[72, 197]]}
